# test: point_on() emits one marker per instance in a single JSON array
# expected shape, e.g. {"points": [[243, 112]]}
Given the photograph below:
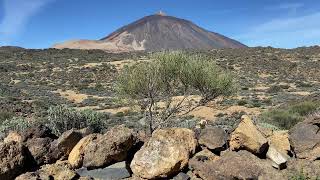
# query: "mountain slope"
{"points": [[156, 32]]}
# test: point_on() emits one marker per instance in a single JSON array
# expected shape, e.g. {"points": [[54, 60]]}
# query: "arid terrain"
{"points": [[267, 129], [33, 80]]}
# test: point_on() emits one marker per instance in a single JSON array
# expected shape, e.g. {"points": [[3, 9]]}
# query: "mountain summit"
{"points": [[154, 33]]}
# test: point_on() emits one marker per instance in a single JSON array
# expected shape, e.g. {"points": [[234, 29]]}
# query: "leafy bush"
{"points": [[63, 118], [14, 124], [171, 74], [286, 118], [283, 119]]}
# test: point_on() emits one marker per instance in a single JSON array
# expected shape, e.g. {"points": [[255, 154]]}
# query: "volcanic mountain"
{"points": [[154, 33]]}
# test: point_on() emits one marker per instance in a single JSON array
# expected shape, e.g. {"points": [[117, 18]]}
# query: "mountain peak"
{"points": [[155, 33], [161, 13]]}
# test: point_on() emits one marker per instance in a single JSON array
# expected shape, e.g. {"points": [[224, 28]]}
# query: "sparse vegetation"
{"points": [[14, 124], [286, 118], [30, 79], [242, 102]]}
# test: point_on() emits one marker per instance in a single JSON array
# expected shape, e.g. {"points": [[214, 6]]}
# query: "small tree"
{"points": [[167, 85]]}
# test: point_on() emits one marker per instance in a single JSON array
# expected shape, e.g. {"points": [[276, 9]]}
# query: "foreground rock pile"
{"points": [[249, 152]]}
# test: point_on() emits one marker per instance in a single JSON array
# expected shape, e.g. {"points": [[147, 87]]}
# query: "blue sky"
{"points": [[277, 23]]}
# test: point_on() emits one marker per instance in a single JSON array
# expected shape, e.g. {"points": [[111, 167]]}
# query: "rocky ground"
{"points": [[248, 152]]}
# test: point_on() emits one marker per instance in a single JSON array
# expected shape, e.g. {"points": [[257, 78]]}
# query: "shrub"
{"points": [[242, 102], [268, 126], [168, 75], [281, 118], [286, 118], [14, 124], [304, 108], [63, 118], [4, 115], [256, 103]]}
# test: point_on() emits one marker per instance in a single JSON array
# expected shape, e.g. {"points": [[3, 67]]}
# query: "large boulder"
{"points": [[38, 139], [40, 150], [247, 137], [213, 138], [235, 165], [61, 147], [305, 138], [279, 149], [52, 171], [280, 141], [39, 131], [75, 158], [103, 150], [200, 157], [165, 154], [14, 160]]}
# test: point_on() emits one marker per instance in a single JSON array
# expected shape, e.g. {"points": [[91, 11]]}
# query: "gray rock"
{"points": [[305, 138], [235, 165], [113, 172], [213, 138], [108, 148], [279, 160], [181, 176]]}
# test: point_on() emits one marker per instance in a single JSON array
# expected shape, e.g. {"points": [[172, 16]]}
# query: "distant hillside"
{"points": [[154, 33]]}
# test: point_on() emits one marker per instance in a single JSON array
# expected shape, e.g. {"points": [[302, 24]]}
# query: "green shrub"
{"points": [[63, 118], [171, 74], [242, 102], [304, 108], [303, 84], [14, 124], [268, 126], [256, 103], [120, 114], [287, 117], [4, 115], [281, 118]]}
